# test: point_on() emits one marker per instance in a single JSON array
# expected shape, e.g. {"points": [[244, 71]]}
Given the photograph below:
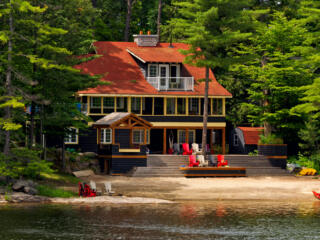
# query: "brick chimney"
{"points": [[148, 40]]}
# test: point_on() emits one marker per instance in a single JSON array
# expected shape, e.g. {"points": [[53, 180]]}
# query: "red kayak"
{"points": [[317, 195]]}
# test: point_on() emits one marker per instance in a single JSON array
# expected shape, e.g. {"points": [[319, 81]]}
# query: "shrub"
{"points": [[271, 139], [312, 161], [23, 162]]}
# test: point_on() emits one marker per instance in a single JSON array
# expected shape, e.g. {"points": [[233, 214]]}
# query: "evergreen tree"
{"points": [[277, 73], [212, 28]]}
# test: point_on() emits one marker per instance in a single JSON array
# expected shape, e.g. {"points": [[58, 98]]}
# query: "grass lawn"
{"points": [[51, 191], [53, 184]]}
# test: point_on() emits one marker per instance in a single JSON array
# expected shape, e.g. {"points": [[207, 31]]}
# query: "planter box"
{"points": [[276, 153]]}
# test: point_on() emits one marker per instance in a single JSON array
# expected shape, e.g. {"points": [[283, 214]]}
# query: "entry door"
{"points": [[164, 76]]}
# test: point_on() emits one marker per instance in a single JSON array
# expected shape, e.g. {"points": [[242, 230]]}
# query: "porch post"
{"points": [[164, 141], [99, 135], [224, 140]]}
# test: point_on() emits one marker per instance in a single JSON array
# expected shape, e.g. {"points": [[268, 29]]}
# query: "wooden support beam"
{"points": [[224, 141], [164, 141]]}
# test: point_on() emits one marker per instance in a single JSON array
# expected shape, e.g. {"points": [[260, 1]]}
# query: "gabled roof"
{"points": [[158, 54], [122, 73], [251, 134], [117, 118]]}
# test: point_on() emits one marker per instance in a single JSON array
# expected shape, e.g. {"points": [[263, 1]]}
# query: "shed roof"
{"points": [[116, 118], [251, 134]]}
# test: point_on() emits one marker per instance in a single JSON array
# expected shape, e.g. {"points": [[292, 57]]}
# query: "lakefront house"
{"points": [[151, 102]]}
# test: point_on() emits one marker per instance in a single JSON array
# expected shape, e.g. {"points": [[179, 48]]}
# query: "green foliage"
{"points": [[254, 153], [23, 162], [270, 139], [49, 191], [59, 177], [312, 161]]}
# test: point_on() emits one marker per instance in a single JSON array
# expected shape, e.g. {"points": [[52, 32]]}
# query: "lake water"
{"points": [[189, 220]]}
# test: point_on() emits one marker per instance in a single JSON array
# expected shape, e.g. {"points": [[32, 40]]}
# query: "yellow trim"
{"points": [[125, 150], [129, 104], [140, 105], [223, 107], [101, 104], [151, 95], [88, 106], [187, 124], [187, 106], [165, 106], [115, 103]]}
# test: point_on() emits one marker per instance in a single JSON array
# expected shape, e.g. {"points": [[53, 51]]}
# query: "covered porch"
{"points": [[162, 138]]}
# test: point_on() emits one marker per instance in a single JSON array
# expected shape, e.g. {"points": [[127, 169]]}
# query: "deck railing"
{"points": [[172, 83]]}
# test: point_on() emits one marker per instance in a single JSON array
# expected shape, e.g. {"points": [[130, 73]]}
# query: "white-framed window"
{"points": [[148, 136], [138, 136], [106, 135], [182, 136], [95, 102], [153, 70], [192, 136], [235, 140], [72, 136]]}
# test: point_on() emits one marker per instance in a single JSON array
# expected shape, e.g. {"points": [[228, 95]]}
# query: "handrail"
{"points": [[172, 83]]}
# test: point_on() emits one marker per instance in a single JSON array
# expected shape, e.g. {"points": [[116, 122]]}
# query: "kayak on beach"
{"points": [[317, 195]]}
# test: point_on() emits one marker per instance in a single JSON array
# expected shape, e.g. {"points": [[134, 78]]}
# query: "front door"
{"points": [[164, 76]]}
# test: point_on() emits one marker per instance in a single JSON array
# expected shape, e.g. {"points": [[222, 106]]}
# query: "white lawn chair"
{"points": [[195, 148], [108, 188], [202, 162], [93, 185]]}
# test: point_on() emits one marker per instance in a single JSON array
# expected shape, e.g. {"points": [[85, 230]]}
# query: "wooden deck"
{"points": [[214, 171]]}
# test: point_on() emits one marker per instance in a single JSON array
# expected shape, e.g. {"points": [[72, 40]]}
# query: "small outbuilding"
{"points": [[244, 139], [122, 142]]}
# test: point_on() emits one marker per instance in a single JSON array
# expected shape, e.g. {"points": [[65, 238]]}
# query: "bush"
{"points": [[312, 161], [48, 191], [271, 139], [23, 162]]}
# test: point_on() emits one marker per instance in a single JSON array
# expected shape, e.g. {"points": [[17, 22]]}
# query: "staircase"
{"points": [[168, 166], [255, 165], [162, 166]]}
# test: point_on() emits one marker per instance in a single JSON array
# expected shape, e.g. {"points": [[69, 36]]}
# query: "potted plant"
{"points": [[272, 146]]}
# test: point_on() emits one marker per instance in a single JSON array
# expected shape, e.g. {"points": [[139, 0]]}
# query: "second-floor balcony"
{"points": [[172, 83]]}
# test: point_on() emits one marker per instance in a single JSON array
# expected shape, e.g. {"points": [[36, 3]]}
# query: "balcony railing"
{"points": [[172, 83]]}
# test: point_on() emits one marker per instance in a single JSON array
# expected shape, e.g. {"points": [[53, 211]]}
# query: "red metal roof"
{"points": [[118, 67], [251, 134]]}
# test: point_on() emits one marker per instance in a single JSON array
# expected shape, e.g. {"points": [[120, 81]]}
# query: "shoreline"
{"points": [[176, 190]]}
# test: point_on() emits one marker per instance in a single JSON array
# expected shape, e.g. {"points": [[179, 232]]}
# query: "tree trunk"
{"points": [[266, 125], [205, 114], [159, 19], [128, 19], [8, 86]]}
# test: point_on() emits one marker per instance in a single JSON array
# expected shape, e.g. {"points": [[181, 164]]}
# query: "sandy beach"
{"points": [[289, 188]]}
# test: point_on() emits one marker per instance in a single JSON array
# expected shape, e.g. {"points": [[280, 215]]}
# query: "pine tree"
{"points": [[215, 27], [277, 73]]}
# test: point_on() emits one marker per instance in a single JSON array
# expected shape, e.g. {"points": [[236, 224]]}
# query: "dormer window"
{"points": [[167, 77], [153, 70]]}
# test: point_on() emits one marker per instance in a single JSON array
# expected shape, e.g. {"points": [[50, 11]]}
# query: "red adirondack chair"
{"points": [[86, 191], [186, 150], [221, 161], [192, 161]]}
